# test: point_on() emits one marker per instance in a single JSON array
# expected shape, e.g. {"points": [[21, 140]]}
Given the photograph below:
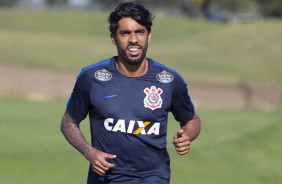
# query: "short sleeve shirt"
{"points": [[128, 117]]}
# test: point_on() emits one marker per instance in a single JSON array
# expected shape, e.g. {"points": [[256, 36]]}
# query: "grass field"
{"points": [[235, 147], [204, 52]]}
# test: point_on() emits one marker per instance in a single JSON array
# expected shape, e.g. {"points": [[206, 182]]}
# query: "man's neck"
{"points": [[132, 70]]}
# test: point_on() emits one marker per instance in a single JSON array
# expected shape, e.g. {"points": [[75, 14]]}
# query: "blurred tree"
{"points": [[8, 3], [231, 11], [53, 3], [271, 8], [205, 7], [235, 5], [150, 3], [196, 7]]}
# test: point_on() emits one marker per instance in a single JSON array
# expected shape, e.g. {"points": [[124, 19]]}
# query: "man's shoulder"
{"points": [[90, 69], [97, 65], [166, 72]]}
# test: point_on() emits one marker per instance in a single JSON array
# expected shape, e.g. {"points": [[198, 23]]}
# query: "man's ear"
{"points": [[113, 38], [149, 37]]}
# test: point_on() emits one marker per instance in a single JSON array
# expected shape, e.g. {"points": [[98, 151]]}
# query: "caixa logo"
{"points": [[132, 127]]}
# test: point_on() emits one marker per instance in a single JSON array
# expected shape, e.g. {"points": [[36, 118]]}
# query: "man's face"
{"points": [[132, 41]]}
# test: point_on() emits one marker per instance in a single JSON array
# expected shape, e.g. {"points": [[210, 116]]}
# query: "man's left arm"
{"points": [[188, 132]]}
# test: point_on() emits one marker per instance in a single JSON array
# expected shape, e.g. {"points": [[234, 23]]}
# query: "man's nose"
{"points": [[133, 38]]}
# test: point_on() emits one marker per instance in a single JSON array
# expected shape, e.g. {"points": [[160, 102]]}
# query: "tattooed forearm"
{"points": [[71, 131]]}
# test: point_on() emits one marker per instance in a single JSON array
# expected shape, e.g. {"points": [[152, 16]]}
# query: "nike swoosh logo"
{"points": [[109, 96]]}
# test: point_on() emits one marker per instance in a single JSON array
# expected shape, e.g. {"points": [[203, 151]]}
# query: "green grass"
{"points": [[32, 148], [234, 147], [202, 52]]}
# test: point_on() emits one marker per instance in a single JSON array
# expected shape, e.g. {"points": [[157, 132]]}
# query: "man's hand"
{"points": [[181, 142], [99, 161]]}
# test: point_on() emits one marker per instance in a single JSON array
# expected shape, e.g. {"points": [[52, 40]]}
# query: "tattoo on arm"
{"points": [[71, 131]]}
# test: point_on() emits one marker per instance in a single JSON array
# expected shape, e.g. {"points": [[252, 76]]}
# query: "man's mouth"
{"points": [[134, 50]]}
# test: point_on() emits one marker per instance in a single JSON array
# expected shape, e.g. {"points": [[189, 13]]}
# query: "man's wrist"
{"points": [[88, 152]]}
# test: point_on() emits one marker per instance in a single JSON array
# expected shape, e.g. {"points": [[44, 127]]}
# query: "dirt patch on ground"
{"points": [[35, 84], [42, 85]]}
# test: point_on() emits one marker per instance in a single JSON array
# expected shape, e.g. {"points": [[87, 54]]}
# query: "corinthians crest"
{"points": [[153, 98]]}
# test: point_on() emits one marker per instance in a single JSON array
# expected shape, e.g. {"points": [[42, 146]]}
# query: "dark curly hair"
{"points": [[130, 10]]}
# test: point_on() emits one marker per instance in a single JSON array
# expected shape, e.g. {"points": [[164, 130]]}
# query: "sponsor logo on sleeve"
{"points": [[165, 77], [103, 75]]}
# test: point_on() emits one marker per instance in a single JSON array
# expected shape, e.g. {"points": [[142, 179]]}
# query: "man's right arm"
{"points": [[71, 131]]}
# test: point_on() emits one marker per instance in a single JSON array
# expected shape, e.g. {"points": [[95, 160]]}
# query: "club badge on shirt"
{"points": [[153, 98]]}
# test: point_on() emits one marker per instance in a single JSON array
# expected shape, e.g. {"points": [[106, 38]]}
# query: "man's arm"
{"points": [[70, 129], [188, 132]]}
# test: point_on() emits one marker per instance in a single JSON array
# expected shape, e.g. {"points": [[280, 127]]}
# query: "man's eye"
{"points": [[139, 32], [124, 33]]}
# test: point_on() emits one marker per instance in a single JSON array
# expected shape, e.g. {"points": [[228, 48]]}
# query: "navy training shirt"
{"points": [[128, 118]]}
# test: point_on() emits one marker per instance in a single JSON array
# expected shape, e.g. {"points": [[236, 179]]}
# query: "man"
{"points": [[127, 98]]}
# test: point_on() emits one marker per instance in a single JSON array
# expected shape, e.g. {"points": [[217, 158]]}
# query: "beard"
{"points": [[132, 60]]}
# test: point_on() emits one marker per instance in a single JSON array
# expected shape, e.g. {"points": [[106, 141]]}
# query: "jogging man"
{"points": [[127, 98]]}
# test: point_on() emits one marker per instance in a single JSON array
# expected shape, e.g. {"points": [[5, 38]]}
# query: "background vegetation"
{"points": [[192, 8], [209, 53]]}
